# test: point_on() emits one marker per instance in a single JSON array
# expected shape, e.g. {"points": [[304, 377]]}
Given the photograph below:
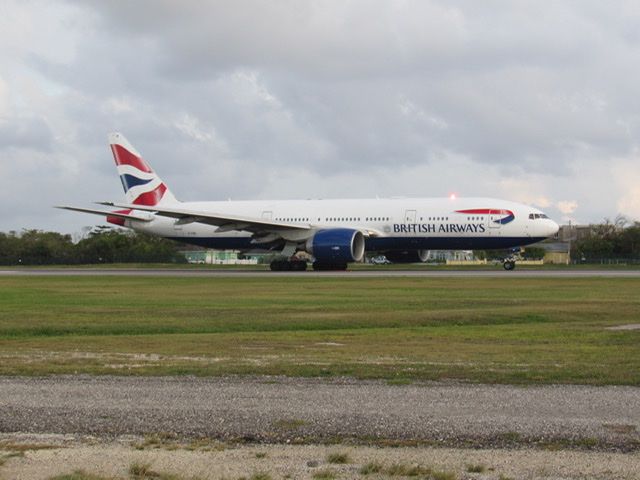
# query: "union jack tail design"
{"points": [[141, 184]]}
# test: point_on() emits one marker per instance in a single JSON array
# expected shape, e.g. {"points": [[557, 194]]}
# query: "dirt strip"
{"points": [[114, 459]]}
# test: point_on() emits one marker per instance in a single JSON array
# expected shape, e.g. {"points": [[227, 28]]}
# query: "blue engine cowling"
{"points": [[337, 245]]}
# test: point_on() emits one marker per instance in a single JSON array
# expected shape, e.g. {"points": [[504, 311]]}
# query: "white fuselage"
{"points": [[392, 224]]}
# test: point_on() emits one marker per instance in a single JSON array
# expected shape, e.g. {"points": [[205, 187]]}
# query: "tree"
{"points": [[611, 240], [9, 249], [35, 247], [533, 253], [628, 242], [117, 246]]}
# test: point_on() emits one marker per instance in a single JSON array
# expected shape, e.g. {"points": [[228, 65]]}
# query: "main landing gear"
{"points": [[288, 266]]}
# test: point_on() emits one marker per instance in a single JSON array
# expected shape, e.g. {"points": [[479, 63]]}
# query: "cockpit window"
{"points": [[535, 216]]}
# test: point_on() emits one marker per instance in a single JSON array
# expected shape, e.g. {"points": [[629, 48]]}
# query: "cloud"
{"points": [[25, 133], [627, 177], [567, 207], [531, 101], [4, 98]]}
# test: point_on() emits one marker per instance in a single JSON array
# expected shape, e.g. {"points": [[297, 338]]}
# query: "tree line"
{"points": [[617, 239], [102, 245]]}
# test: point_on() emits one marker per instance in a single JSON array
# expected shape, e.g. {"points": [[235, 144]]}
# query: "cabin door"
{"points": [[410, 216], [494, 218]]}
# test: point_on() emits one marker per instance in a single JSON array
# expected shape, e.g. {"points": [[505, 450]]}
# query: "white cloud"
{"points": [[567, 207], [531, 101], [4, 99], [190, 126], [627, 176], [114, 105], [542, 202]]}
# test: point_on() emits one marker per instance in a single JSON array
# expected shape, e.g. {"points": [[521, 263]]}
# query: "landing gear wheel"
{"points": [[280, 266], [509, 265], [298, 265]]}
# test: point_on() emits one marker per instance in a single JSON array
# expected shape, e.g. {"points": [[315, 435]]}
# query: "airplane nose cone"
{"points": [[553, 228]]}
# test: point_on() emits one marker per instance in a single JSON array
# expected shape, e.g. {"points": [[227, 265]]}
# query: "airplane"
{"points": [[333, 232]]}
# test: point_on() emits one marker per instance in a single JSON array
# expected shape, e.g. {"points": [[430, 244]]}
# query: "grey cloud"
{"points": [[292, 98], [25, 133], [504, 81]]}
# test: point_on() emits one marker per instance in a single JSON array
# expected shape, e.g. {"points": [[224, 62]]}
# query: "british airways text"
{"points": [[442, 228]]}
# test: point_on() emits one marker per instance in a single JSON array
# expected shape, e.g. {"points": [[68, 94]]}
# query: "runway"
{"points": [[377, 273]]}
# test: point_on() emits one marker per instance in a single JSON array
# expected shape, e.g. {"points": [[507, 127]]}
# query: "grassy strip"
{"points": [[513, 330], [353, 266]]}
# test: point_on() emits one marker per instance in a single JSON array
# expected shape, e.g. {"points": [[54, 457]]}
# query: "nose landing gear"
{"points": [[509, 264]]}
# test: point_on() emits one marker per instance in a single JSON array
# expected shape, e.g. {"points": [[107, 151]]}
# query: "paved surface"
{"points": [[281, 410], [144, 272]]}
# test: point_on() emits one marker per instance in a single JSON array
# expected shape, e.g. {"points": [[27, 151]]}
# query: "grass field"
{"points": [[505, 330]]}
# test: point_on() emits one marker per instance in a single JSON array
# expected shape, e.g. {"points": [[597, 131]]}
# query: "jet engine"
{"points": [[336, 246]]}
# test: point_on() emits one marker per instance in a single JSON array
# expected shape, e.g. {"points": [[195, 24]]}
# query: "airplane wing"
{"points": [[224, 222], [125, 216]]}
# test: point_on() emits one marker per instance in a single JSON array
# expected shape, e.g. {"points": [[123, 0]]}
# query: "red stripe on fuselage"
{"points": [[485, 211], [123, 156], [151, 198]]}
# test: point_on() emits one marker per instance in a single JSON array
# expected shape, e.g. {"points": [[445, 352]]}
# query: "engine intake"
{"points": [[337, 245]]}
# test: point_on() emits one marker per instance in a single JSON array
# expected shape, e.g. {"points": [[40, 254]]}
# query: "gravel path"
{"points": [[280, 410]]}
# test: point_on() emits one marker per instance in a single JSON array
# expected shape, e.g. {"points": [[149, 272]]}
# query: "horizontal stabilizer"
{"points": [[122, 215]]}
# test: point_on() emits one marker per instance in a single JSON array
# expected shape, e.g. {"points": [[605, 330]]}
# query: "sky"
{"points": [[535, 102]]}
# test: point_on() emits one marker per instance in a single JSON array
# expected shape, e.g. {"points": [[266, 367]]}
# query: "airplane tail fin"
{"points": [[141, 184]]}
